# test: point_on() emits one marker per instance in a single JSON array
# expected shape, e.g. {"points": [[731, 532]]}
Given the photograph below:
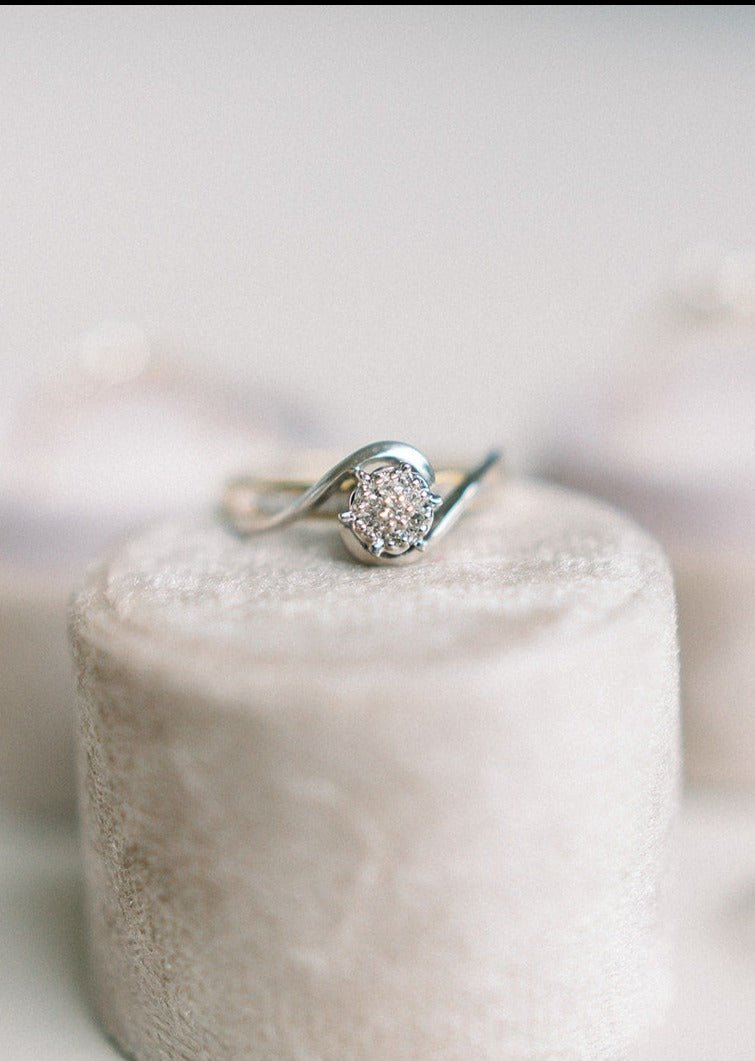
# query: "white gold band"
{"points": [[382, 495]]}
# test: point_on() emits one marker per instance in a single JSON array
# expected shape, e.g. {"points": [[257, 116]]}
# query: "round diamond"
{"points": [[391, 509]]}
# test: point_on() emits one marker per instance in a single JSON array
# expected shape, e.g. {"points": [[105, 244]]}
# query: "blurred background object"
{"points": [[672, 440], [122, 433]]}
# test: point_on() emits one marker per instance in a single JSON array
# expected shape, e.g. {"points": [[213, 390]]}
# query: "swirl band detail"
{"points": [[382, 495]]}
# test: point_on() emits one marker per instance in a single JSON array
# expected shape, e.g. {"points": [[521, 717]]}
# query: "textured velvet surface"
{"points": [[334, 812]]}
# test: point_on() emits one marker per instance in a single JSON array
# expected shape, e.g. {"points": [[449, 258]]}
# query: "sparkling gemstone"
{"points": [[391, 509]]}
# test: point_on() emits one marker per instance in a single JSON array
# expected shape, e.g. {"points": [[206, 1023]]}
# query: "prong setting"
{"points": [[393, 515], [391, 510]]}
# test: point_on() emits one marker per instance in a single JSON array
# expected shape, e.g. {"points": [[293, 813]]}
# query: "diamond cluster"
{"points": [[391, 509]]}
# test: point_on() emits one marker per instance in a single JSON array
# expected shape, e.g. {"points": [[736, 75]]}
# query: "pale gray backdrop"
{"points": [[430, 222]]}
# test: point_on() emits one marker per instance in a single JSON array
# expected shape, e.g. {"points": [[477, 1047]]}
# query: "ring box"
{"points": [[338, 811]]}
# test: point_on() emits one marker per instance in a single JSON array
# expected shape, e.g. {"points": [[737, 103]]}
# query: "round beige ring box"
{"points": [[332, 811]]}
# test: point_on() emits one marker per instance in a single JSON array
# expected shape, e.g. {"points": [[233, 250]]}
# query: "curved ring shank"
{"points": [[243, 501], [255, 505]]}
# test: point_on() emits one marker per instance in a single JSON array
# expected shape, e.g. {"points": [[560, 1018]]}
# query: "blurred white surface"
{"points": [[432, 222], [714, 1018], [94, 450], [671, 441], [44, 1013]]}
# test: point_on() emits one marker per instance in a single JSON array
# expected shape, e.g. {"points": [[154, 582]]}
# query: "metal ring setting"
{"points": [[382, 495]]}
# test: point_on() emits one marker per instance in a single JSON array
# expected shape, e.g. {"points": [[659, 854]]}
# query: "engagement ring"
{"points": [[386, 497]]}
